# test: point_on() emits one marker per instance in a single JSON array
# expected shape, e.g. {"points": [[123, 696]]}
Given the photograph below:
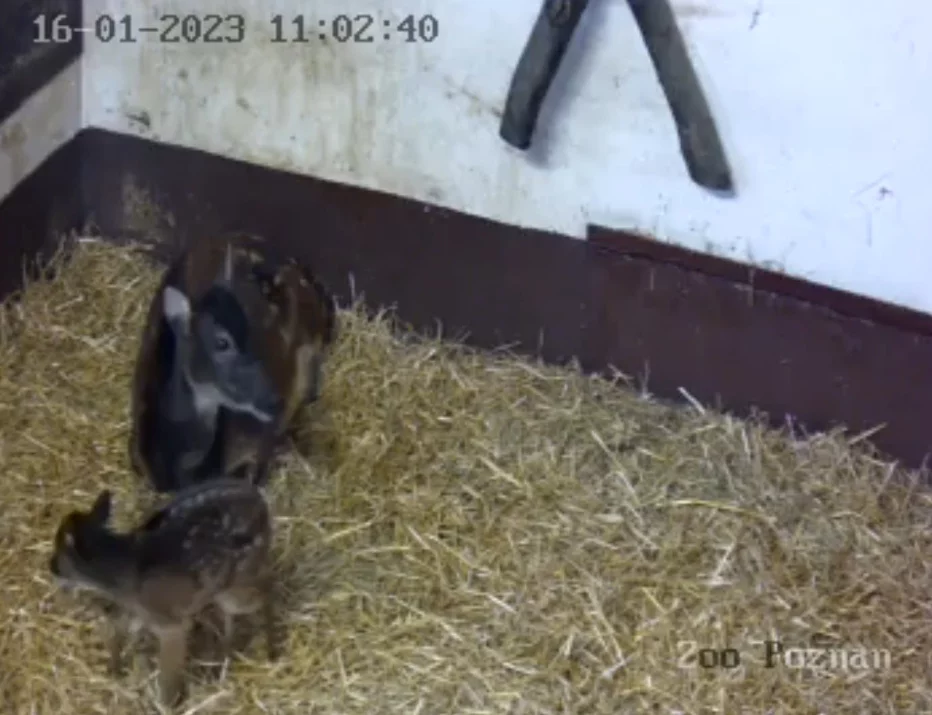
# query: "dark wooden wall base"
{"points": [[730, 343], [731, 336]]}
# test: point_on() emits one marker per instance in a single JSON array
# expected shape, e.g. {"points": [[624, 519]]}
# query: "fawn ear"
{"points": [[100, 512], [64, 536]]}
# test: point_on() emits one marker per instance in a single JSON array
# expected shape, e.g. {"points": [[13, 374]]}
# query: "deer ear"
{"points": [[100, 512], [176, 306]]}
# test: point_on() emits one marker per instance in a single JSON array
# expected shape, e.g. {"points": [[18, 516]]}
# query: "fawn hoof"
{"points": [[171, 693]]}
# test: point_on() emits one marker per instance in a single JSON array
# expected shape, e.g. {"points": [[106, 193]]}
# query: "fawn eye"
{"points": [[221, 343]]}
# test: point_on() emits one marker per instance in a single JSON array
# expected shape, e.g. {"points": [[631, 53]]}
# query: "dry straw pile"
{"points": [[473, 533]]}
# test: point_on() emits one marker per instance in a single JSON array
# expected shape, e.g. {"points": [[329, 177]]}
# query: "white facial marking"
{"points": [[263, 417], [207, 399]]}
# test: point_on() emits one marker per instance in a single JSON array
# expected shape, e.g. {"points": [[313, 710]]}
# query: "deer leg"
{"points": [[264, 454], [228, 604], [266, 594], [314, 377], [261, 472], [173, 651], [244, 600], [118, 631]]}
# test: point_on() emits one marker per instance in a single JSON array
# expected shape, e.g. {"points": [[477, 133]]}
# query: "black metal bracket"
{"points": [[537, 67]]}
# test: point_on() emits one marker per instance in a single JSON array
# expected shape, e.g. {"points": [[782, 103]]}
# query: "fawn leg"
{"points": [[267, 596], [227, 604], [226, 638], [173, 650], [243, 600], [118, 631]]}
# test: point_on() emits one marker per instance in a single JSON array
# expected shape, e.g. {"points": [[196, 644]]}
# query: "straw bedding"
{"points": [[464, 532]]}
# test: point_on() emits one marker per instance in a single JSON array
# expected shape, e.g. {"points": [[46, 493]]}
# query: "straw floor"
{"points": [[460, 532]]}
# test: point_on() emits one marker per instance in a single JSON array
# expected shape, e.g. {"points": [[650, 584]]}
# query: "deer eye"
{"points": [[221, 343]]}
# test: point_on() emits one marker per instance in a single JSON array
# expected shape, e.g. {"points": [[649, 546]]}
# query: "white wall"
{"points": [[41, 125], [822, 105]]}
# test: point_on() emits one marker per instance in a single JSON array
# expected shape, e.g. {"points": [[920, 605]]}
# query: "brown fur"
{"points": [[209, 545], [296, 317]]}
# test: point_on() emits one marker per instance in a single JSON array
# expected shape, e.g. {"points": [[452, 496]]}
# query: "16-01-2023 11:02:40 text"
{"points": [[213, 28]]}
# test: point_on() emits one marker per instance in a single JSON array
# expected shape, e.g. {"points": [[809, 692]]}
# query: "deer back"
{"points": [[301, 327]]}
